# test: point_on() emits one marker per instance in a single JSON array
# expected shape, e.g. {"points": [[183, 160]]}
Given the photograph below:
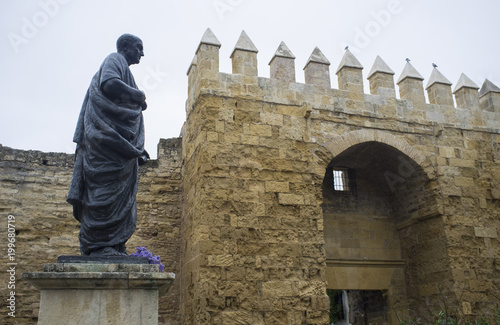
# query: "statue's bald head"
{"points": [[130, 47], [125, 41]]}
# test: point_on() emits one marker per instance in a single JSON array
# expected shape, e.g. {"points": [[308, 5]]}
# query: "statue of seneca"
{"points": [[110, 146]]}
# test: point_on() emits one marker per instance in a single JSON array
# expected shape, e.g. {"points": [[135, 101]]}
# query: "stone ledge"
{"points": [[102, 259], [100, 267], [99, 280], [100, 277], [366, 262]]}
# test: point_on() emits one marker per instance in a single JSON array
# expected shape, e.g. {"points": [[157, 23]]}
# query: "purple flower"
{"points": [[143, 252]]}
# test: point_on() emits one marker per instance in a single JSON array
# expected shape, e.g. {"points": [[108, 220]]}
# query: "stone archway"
{"points": [[377, 237], [409, 160], [327, 151]]}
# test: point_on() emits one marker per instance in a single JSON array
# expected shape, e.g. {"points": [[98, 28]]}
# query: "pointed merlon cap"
{"points": [[209, 38], [318, 57], [349, 60], [465, 82], [283, 51], [437, 77], [244, 43], [380, 66], [488, 87], [409, 72], [193, 63]]}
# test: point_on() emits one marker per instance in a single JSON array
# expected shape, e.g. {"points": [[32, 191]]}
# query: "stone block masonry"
{"points": [[262, 224], [243, 206], [33, 189]]}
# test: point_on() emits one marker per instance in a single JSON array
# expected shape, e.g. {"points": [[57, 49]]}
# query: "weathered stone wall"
{"points": [[257, 152], [469, 170], [254, 246], [159, 218], [33, 190]]}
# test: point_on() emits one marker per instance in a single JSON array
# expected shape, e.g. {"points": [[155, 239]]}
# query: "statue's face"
{"points": [[134, 52]]}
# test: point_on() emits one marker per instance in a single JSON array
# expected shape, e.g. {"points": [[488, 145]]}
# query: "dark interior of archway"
{"points": [[385, 178], [386, 218]]}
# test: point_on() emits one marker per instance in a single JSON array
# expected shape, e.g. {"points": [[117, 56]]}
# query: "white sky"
{"points": [[50, 49]]}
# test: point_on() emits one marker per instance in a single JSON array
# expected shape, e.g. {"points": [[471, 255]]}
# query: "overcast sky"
{"points": [[50, 49]]}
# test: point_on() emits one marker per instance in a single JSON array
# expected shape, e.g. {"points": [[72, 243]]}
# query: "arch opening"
{"points": [[373, 230]]}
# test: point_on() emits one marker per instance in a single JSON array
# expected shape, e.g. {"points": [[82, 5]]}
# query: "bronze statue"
{"points": [[110, 146]]}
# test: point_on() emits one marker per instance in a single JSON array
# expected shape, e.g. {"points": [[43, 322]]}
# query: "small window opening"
{"points": [[344, 180], [341, 179]]}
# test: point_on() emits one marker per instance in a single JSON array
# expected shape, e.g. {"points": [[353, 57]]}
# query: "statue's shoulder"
{"points": [[114, 63], [116, 57]]}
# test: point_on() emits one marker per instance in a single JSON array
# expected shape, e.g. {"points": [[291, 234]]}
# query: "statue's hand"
{"points": [[139, 96], [117, 90], [144, 105], [143, 158]]}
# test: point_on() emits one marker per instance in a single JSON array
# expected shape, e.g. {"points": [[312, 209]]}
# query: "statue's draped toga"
{"points": [[110, 138]]}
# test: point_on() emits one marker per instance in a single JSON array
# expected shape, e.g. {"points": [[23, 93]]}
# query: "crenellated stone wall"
{"points": [[263, 226]]}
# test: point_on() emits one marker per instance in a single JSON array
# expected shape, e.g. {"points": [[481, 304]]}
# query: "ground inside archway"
{"points": [[358, 307]]}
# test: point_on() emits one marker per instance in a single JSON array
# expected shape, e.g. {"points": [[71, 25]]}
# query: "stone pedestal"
{"points": [[87, 293]]}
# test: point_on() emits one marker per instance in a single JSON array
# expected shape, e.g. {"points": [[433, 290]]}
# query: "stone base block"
{"points": [[76, 293]]}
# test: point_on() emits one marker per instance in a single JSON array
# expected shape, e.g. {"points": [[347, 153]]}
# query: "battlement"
{"points": [[471, 107], [263, 219]]}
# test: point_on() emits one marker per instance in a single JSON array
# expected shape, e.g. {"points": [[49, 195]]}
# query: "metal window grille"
{"points": [[344, 180], [341, 179]]}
